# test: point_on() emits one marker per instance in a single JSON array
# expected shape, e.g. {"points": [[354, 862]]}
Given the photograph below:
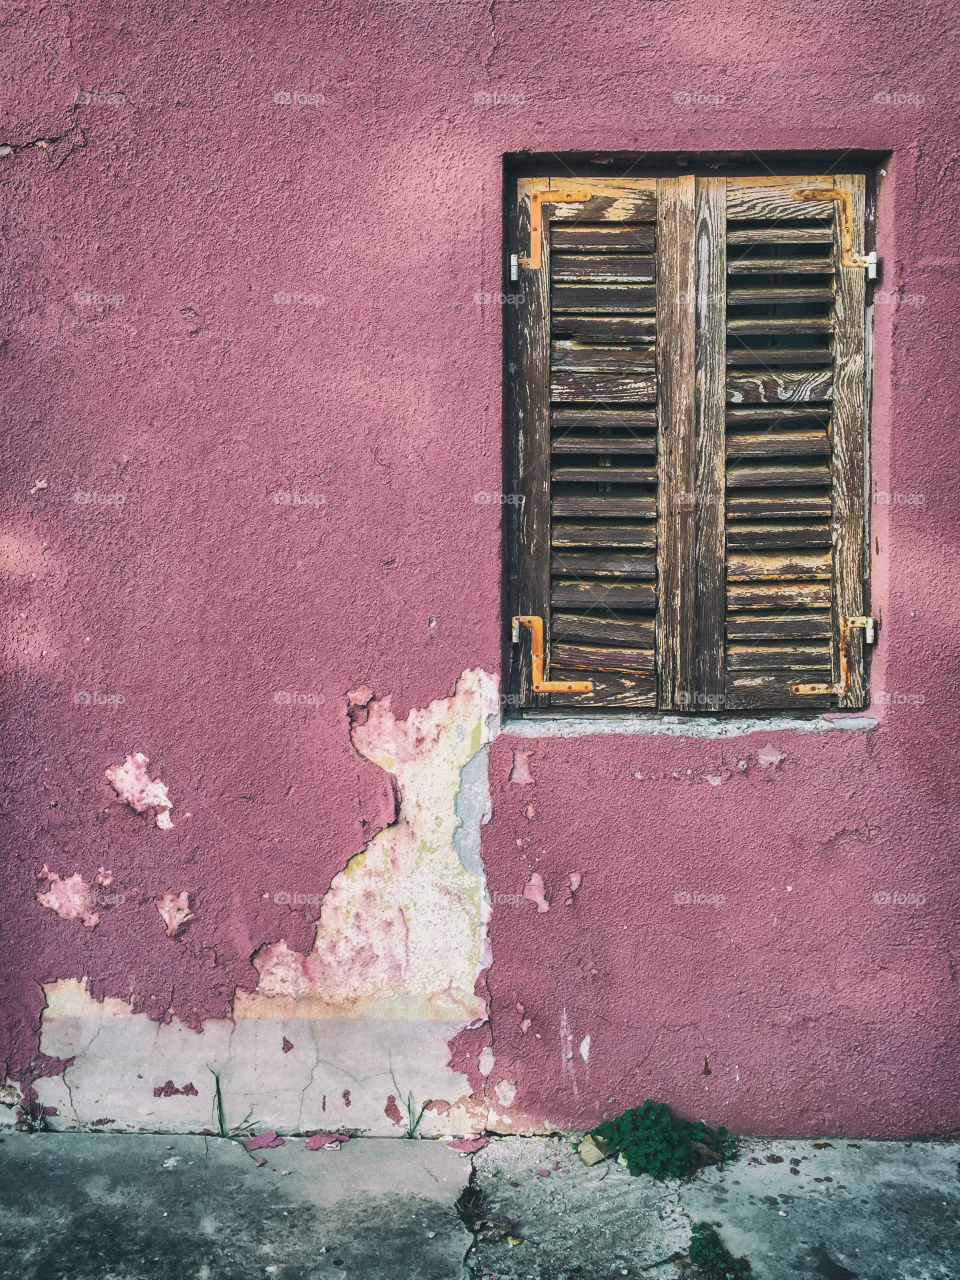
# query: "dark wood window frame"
{"points": [[704, 330]]}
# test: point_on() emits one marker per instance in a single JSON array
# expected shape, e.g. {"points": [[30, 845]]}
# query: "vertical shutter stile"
{"points": [[849, 434]]}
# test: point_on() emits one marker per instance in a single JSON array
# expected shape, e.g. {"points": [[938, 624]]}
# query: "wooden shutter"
{"points": [[688, 394], [795, 441]]}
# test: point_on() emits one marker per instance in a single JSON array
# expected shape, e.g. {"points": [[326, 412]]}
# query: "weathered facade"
{"points": [[264, 819]]}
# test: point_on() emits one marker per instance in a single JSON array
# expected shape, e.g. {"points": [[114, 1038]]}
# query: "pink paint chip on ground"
{"points": [[269, 1139], [468, 1145], [332, 1141]]}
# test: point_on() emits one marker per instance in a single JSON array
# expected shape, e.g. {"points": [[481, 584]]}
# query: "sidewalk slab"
{"points": [[846, 1211], [77, 1206]]}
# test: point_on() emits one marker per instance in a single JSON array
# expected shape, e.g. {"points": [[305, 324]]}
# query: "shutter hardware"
{"points": [[847, 257], [537, 200], [843, 687], [540, 685]]}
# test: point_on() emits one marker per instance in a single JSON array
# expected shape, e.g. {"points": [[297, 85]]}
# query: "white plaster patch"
{"points": [[72, 898], [769, 756], [485, 1060], [174, 910], [402, 929], [506, 1091], [337, 1076], [369, 1011], [585, 1048], [520, 774], [534, 891], [134, 786]]}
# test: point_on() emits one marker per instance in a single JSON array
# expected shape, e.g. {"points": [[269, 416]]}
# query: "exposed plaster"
{"points": [[545, 726], [328, 1036], [133, 785], [72, 898], [174, 910]]}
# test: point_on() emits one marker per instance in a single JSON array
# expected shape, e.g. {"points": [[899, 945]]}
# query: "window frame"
{"points": [[849, 582]]}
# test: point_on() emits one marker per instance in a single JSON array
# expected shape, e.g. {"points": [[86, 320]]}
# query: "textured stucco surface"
{"points": [[249, 401]]}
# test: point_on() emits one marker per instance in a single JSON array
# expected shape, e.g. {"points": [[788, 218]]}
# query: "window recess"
{"points": [[688, 405]]}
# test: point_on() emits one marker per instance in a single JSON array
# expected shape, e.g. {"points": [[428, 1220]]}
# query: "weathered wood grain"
{"points": [[604, 595], [605, 444], [610, 236], [576, 657], [636, 632], [600, 298], [777, 386], [612, 505], [602, 564], [778, 566], [618, 268], [676, 354], [779, 626], [639, 690], [753, 536], [597, 328], [604, 387], [574, 357], [774, 444], [770, 198], [709, 603], [602, 534], [849, 427]]}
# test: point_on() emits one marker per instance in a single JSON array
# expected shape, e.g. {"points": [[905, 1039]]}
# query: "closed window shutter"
{"points": [[689, 395], [587, 391], [795, 427]]}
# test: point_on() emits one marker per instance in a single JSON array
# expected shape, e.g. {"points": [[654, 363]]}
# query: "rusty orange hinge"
{"points": [[847, 256], [843, 685], [540, 685], [537, 200]]}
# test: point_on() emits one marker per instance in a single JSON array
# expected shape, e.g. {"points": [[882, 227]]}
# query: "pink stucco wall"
{"points": [[186, 198]]}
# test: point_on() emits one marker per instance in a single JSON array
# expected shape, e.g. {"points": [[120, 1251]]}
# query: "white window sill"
{"points": [[550, 725]]}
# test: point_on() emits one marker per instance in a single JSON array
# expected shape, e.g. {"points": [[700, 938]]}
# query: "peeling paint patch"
{"points": [[575, 880], [485, 1060], [585, 1048], [534, 891], [402, 929], [175, 911], [520, 774], [769, 756], [134, 786], [73, 898], [506, 1091]]}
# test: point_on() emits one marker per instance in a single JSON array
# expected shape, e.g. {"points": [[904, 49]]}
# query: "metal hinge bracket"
{"points": [[537, 200], [847, 256], [842, 687], [535, 626]]}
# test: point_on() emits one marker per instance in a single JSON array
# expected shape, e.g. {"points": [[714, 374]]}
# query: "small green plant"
{"points": [[244, 1129], [649, 1140], [711, 1255], [414, 1117]]}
